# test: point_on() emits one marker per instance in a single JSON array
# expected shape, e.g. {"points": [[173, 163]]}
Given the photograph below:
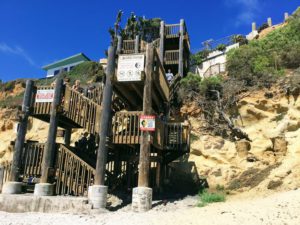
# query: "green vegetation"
{"points": [[85, 72], [199, 57], [147, 29], [207, 197], [12, 101], [192, 84], [221, 47], [263, 61]]}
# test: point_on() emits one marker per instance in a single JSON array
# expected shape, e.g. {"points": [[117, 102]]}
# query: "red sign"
{"points": [[147, 123], [44, 95]]}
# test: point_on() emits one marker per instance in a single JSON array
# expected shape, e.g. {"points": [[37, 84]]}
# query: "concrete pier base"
{"points": [[44, 189], [12, 188], [141, 199], [97, 196]]}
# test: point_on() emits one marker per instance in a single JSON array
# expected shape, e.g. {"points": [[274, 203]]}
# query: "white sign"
{"points": [[44, 95], [130, 67]]}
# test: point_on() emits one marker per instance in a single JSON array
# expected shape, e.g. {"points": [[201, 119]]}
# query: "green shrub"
{"points": [[191, 81], [262, 27], [221, 47], [265, 59], [209, 84], [210, 197], [239, 38], [199, 57]]}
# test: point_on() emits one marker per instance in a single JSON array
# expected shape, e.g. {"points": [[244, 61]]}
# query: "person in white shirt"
{"points": [[169, 76]]}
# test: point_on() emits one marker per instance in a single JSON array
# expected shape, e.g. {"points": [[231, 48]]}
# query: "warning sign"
{"points": [[130, 67], [44, 95], [147, 123]]}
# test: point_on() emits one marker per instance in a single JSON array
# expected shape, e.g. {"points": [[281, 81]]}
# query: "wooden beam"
{"points": [[105, 119], [126, 95], [19, 144], [50, 148], [161, 41], [119, 48], [67, 136], [137, 90], [144, 162], [181, 48], [136, 44]]}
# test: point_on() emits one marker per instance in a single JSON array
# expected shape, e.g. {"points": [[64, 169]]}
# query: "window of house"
{"points": [[56, 72], [71, 67], [66, 69]]}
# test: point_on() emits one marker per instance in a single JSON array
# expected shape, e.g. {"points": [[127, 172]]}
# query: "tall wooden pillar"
{"points": [[144, 160], [181, 48], [162, 42], [19, 144], [50, 148], [105, 119], [137, 44], [142, 195], [119, 47]]}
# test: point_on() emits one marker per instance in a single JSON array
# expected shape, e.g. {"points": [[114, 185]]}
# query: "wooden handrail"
{"points": [[172, 57], [82, 110], [74, 175], [32, 159], [172, 30], [125, 127], [6, 170], [160, 76], [128, 46]]}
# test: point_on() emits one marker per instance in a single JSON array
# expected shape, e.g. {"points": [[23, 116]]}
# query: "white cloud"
{"points": [[4, 48], [248, 10]]}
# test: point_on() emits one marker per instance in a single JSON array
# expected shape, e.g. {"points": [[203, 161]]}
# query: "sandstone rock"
{"points": [[279, 145], [242, 148]]}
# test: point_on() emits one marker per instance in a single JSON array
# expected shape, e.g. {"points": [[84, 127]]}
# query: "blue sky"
{"points": [[37, 32]]}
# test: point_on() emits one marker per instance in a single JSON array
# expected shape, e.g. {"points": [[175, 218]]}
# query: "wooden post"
{"points": [[67, 136], [1, 177], [162, 42], [181, 48], [119, 48], [19, 144], [105, 119], [158, 175], [50, 148], [144, 160], [129, 173], [136, 44]]}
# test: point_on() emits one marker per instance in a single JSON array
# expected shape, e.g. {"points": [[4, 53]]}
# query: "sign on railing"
{"points": [[130, 67], [147, 123], [44, 95]]}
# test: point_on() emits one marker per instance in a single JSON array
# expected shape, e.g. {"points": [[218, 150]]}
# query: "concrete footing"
{"points": [[12, 188], [44, 189], [45, 204], [97, 196], [141, 199]]}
